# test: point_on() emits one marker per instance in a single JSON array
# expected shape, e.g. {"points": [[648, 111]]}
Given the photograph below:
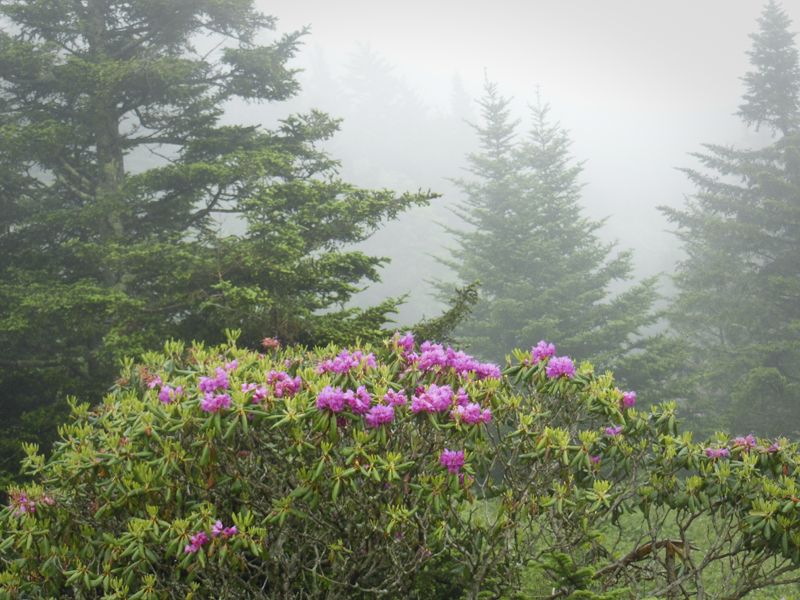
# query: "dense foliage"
{"points": [[220, 472], [544, 272], [99, 260], [738, 289]]}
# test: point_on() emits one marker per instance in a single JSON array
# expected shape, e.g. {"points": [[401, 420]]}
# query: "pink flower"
{"points": [[746, 442], [542, 350], [434, 399], [379, 414], [232, 366], [716, 452], [212, 403], [393, 398], [406, 342], [196, 542], [330, 398], [154, 382], [452, 460], [358, 401], [217, 529], [595, 459], [628, 399], [614, 431], [560, 366]]}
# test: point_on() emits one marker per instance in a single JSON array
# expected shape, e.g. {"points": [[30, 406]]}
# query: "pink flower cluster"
{"points": [[628, 399], [346, 361], [393, 398], [212, 403], [746, 442], [434, 399], [379, 415], [614, 431], [542, 350], [434, 355], [335, 399], [406, 341], [217, 529], [559, 366], [212, 384], [471, 413], [452, 460], [282, 382], [716, 452], [232, 366], [196, 542], [167, 394], [22, 504]]}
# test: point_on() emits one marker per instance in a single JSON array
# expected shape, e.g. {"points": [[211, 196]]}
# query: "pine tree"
{"points": [[738, 301], [544, 272], [98, 261]]}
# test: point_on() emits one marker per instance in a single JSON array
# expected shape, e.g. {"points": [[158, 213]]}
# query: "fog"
{"points": [[638, 86]]}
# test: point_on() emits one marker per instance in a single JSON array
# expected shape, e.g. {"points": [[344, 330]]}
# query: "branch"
{"points": [[641, 553], [55, 362]]}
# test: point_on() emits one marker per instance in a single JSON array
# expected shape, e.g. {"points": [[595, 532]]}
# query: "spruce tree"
{"points": [[545, 274], [99, 260], [738, 301]]}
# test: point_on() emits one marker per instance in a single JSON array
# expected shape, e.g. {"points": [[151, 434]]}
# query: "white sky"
{"points": [[639, 84]]}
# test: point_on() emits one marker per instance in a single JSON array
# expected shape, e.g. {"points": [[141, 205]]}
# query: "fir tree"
{"points": [[544, 272], [738, 301], [98, 262]]}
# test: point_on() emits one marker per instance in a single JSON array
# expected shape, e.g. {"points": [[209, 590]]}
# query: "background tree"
{"points": [[544, 272], [97, 261], [738, 301]]}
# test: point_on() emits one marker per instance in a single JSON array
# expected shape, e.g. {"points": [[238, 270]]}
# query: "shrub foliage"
{"points": [[295, 474]]}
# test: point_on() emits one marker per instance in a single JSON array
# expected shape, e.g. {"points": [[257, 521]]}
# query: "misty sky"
{"points": [[638, 84]]}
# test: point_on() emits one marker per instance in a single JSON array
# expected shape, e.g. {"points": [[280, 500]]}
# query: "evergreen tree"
{"points": [[545, 274], [738, 301], [98, 262]]}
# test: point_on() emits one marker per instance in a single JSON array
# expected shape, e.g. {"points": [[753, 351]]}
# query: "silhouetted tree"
{"points": [[738, 301], [96, 262], [544, 272]]}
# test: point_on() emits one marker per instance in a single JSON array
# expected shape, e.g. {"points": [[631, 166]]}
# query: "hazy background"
{"points": [[639, 85]]}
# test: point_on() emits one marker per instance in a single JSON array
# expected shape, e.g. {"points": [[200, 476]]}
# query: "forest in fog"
{"points": [[307, 301]]}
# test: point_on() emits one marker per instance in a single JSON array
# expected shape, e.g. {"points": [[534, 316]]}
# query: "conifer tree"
{"points": [[544, 272], [98, 261], [738, 301]]}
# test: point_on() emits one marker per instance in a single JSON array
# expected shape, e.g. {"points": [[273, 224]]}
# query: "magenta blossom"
{"points": [[746, 442], [560, 366], [331, 398], [346, 361], [211, 384], [232, 366], [614, 431], [628, 399], [452, 460], [595, 460], [406, 342], [212, 403], [217, 529], [282, 382], [393, 398], [196, 542], [471, 413], [358, 401], [167, 394], [541, 351], [154, 382], [379, 415], [716, 452], [434, 399]]}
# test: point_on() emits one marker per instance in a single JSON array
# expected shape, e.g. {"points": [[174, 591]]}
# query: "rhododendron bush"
{"points": [[344, 473]]}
